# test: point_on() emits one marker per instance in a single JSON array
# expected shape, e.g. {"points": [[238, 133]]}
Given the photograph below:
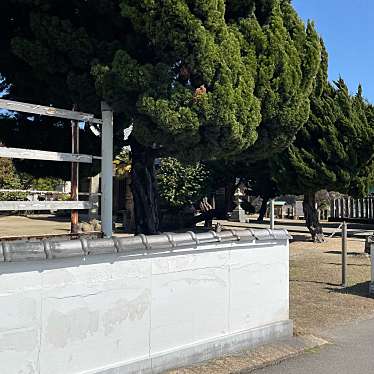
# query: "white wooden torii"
{"points": [[106, 160]]}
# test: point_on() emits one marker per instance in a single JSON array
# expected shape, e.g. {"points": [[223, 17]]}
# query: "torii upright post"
{"points": [[107, 171], [74, 176]]}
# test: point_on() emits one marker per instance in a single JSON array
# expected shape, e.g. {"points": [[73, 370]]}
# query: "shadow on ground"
{"points": [[50, 218], [314, 282], [349, 265], [300, 238], [361, 254], [359, 289]]}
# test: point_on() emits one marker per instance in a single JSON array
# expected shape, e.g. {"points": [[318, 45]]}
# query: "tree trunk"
{"points": [[229, 197], [311, 217], [263, 209], [205, 216], [144, 189], [205, 207]]}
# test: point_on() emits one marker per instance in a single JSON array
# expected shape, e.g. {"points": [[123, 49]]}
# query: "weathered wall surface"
{"points": [[145, 309], [371, 285]]}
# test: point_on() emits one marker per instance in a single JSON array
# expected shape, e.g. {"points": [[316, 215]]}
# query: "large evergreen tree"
{"points": [[197, 79], [333, 151], [288, 59], [288, 55]]}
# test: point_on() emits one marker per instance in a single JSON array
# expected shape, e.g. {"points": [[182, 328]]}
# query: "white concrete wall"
{"points": [[371, 285], [103, 312]]}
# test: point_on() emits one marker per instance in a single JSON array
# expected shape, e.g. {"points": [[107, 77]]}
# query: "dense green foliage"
{"points": [[47, 49], [186, 73], [198, 79], [9, 180], [288, 58], [335, 149], [213, 70], [189, 92], [181, 185], [41, 184]]}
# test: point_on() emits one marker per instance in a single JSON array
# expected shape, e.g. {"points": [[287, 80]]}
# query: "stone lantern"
{"points": [[238, 214]]}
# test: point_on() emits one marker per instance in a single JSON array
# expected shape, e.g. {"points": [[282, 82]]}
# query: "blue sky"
{"points": [[347, 27]]}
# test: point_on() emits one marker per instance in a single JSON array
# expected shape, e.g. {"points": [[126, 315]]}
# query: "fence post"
{"points": [[348, 209], [272, 214], [344, 254], [107, 171]]}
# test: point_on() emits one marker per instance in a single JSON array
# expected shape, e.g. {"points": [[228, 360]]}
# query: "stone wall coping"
{"points": [[28, 250]]}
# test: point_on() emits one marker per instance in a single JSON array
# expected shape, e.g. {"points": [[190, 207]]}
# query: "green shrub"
{"points": [[10, 180], [181, 185]]}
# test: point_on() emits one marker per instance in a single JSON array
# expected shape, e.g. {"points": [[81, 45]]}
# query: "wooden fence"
{"points": [[348, 208]]}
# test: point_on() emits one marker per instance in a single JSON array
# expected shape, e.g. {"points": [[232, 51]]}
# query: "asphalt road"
{"points": [[352, 352]]}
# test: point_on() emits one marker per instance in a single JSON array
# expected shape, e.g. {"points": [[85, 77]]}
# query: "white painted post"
{"points": [[332, 209], [337, 214], [107, 171], [344, 254], [363, 210], [348, 207], [371, 286], [369, 208], [354, 208], [272, 214]]}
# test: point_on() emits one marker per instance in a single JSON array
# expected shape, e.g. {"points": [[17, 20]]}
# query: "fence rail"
{"points": [[38, 192], [44, 205]]}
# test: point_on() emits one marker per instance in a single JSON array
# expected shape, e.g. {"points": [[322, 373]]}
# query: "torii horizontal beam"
{"points": [[17, 106], [31, 154]]}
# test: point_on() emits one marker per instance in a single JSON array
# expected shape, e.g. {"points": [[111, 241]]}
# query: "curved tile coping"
{"points": [[53, 249]]}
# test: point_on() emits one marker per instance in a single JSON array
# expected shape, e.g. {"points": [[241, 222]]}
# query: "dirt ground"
{"points": [[317, 300], [33, 225]]}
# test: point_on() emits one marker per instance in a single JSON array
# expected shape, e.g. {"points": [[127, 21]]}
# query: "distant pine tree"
{"points": [[333, 151]]}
